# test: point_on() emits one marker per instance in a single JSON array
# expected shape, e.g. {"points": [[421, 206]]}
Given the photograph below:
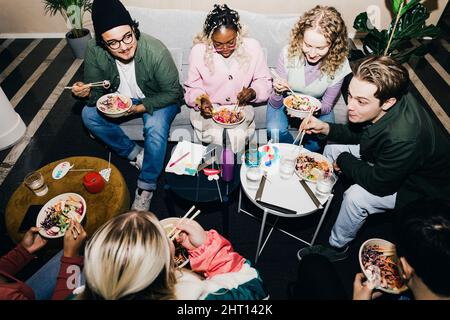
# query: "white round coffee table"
{"points": [[285, 198]]}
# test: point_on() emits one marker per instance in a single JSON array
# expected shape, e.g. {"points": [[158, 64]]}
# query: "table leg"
{"points": [[261, 233], [225, 219], [327, 206]]}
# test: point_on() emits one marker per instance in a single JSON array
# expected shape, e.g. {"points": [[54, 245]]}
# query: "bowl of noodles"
{"points": [[228, 117], [114, 105], [300, 105], [380, 264], [181, 257]]}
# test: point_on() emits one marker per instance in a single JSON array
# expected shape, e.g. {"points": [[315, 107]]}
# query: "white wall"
{"points": [[27, 16]]}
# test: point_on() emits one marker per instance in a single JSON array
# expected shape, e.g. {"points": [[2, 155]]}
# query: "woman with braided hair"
{"points": [[225, 68], [313, 63]]}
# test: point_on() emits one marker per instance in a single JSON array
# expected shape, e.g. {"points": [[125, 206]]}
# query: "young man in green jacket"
{"points": [[399, 154], [140, 67]]}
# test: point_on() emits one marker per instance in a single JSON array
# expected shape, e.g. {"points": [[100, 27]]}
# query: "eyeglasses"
{"points": [[224, 46], [115, 44]]}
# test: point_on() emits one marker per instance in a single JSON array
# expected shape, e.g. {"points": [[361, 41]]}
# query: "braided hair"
{"points": [[221, 16]]}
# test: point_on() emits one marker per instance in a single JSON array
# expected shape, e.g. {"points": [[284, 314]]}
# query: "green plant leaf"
{"points": [[376, 41], [409, 6], [396, 5], [362, 23]]}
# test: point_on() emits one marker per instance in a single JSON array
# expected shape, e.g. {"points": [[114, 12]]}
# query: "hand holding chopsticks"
{"points": [[284, 82], [173, 235], [302, 132]]}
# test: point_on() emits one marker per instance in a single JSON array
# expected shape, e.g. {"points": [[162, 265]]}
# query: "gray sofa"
{"points": [[176, 29]]}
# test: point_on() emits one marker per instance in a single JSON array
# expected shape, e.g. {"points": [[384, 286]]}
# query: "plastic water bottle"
{"points": [[227, 161]]}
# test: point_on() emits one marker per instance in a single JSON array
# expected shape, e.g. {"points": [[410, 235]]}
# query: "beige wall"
{"points": [[27, 16]]}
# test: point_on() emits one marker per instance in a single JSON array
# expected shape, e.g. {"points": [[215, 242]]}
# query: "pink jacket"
{"points": [[215, 256], [225, 83]]}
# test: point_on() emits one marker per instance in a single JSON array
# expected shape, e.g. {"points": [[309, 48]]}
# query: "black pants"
{"points": [[317, 279]]}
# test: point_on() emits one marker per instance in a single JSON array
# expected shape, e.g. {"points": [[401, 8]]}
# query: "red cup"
{"points": [[93, 182]]}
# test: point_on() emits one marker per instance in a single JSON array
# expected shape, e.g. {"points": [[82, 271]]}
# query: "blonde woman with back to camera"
{"points": [[131, 258]]}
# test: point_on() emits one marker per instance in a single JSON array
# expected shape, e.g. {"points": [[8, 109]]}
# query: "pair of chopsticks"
{"points": [[81, 170], [173, 235], [301, 133], [104, 83]]}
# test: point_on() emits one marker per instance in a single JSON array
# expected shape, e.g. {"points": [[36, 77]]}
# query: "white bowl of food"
{"points": [[114, 105], [228, 116], [181, 257], [380, 264], [300, 105], [54, 217], [311, 165]]}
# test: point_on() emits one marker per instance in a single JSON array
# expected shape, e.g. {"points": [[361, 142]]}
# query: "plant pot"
{"points": [[78, 45]]}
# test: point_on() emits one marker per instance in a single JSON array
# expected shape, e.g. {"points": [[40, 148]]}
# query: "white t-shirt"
{"points": [[128, 85]]}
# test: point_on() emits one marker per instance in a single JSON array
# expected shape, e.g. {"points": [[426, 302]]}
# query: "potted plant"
{"points": [[400, 41], [73, 12]]}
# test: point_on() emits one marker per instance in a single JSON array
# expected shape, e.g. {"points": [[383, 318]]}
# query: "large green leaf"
{"points": [[360, 23], [409, 6], [396, 5], [376, 41], [412, 25]]}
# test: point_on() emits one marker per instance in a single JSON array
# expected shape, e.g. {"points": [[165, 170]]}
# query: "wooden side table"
{"points": [[111, 201]]}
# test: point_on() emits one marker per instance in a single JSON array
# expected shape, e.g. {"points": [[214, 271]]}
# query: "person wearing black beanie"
{"points": [[138, 67]]}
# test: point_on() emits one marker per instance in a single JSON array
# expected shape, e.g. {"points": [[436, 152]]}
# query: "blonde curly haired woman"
{"points": [[225, 68], [131, 258], [313, 63]]}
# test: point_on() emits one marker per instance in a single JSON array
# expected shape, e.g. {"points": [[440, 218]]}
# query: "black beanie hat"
{"points": [[108, 14]]}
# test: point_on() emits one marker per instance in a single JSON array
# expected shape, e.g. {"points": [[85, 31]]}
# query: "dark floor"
{"points": [[61, 135]]}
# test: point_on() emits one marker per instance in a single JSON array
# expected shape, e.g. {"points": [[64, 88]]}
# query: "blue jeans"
{"points": [[357, 203], [43, 281], [156, 133], [278, 128]]}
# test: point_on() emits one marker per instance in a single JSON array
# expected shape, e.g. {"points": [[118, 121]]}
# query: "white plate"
{"points": [[314, 172], [301, 113], [43, 212], [168, 224], [114, 114], [385, 244], [230, 125]]}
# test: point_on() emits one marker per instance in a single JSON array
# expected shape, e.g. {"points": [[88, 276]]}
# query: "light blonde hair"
{"points": [[129, 258], [330, 23], [389, 76]]}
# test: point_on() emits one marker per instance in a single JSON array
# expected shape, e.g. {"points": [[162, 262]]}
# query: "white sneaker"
{"points": [[142, 202], [139, 160]]}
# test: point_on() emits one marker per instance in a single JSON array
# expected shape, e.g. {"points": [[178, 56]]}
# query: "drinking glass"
{"points": [[287, 165], [35, 182], [254, 175], [324, 185]]}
